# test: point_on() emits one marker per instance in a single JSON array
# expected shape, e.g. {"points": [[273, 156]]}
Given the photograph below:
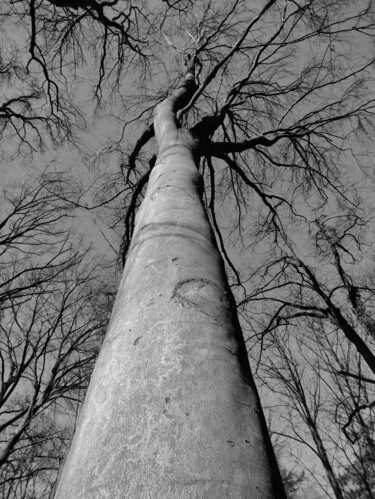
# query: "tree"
{"points": [[336, 291], [54, 309], [279, 118], [27, 122], [322, 410], [293, 480], [304, 398], [352, 480], [62, 35], [190, 394]]}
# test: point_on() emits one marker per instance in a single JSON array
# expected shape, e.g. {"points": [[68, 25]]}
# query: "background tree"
{"points": [[336, 290], [321, 409], [55, 303]]}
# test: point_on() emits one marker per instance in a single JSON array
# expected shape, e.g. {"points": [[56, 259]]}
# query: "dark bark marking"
{"points": [[202, 294]]}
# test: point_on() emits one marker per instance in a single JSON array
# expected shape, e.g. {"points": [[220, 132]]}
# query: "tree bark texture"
{"points": [[172, 411]]}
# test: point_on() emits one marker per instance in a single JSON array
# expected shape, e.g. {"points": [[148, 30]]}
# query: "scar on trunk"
{"points": [[202, 294]]}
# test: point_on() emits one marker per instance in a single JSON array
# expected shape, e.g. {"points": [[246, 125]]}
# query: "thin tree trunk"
{"points": [[321, 451], [172, 410]]}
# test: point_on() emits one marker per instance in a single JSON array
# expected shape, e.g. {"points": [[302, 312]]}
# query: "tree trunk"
{"points": [[323, 456], [172, 411]]}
